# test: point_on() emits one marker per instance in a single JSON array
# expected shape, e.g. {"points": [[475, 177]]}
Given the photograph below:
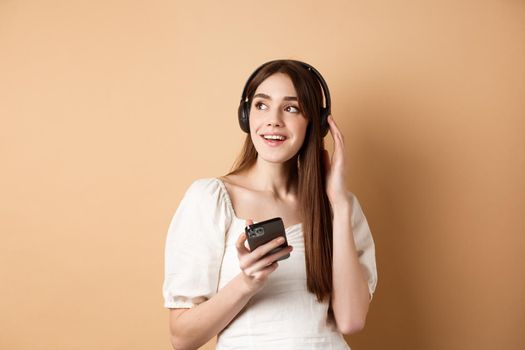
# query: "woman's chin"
{"points": [[274, 158]]}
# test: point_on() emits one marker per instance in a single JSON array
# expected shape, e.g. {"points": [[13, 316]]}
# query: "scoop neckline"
{"points": [[230, 205]]}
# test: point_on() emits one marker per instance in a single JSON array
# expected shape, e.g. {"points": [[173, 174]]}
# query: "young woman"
{"points": [[214, 284]]}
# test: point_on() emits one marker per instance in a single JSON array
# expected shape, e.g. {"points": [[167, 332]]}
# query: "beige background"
{"points": [[110, 109]]}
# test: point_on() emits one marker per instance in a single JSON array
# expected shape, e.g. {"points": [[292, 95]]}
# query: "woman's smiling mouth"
{"points": [[273, 139]]}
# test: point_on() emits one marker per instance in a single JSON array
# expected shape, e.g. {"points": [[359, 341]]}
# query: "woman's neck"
{"points": [[277, 178]]}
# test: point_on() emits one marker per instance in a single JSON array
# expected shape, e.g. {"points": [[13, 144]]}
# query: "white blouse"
{"points": [[200, 258]]}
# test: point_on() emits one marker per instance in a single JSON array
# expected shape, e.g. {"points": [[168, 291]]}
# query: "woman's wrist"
{"points": [[342, 202], [245, 285]]}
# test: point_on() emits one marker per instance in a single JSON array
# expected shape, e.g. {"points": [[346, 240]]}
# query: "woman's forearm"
{"points": [[196, 326], [350, 298]]}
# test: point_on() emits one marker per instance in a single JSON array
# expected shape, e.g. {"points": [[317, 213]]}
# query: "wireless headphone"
{"points": [[244, 106]]}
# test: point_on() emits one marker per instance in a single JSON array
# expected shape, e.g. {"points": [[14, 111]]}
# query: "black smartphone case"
{"points": [[265, 231]]}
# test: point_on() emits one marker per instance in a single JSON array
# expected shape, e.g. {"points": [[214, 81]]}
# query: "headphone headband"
{"points": [[244, 107]]}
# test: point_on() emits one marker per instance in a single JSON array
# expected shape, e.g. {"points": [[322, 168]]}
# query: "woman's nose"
{"points": [[275, 119]]}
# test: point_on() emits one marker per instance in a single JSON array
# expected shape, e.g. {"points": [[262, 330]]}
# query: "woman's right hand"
{"points": [[255, 270]]}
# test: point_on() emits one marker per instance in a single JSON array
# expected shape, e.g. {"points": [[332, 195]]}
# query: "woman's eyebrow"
{"points": [[286, 98]]}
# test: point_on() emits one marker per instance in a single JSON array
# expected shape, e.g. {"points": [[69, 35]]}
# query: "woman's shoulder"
{"points": [[208, 195], [230, 179], [202, 187], [235, 183]]}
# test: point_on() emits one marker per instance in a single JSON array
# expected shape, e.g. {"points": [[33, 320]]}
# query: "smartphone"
{"points": [[265, 231]]}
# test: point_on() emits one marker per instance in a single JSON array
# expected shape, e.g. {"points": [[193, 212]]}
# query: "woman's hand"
{"points": [[335, 168], [254, 269]]}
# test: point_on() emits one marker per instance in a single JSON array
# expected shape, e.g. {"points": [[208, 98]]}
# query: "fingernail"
{"points": [[280, 240]]}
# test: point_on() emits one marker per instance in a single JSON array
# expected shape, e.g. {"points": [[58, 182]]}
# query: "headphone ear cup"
{"points": [[243, 114]]}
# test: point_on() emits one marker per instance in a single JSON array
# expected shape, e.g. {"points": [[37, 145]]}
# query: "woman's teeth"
{"points": [[274, 137]]}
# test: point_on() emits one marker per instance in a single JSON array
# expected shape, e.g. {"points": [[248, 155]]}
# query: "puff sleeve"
{"points": [[195, 245], [364, 244]]}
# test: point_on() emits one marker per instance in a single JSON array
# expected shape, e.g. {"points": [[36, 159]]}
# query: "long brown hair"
{"points": [[315, 209]]}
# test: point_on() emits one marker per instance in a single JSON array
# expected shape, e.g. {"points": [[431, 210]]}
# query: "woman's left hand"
{"points": [[335, 168]]}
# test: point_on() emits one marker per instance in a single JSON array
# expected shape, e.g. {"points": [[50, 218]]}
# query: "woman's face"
{"points": [[277, 125]]}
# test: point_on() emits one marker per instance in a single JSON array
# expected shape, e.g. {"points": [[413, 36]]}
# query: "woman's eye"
{"points": [[292, 109], [260, 105]]}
